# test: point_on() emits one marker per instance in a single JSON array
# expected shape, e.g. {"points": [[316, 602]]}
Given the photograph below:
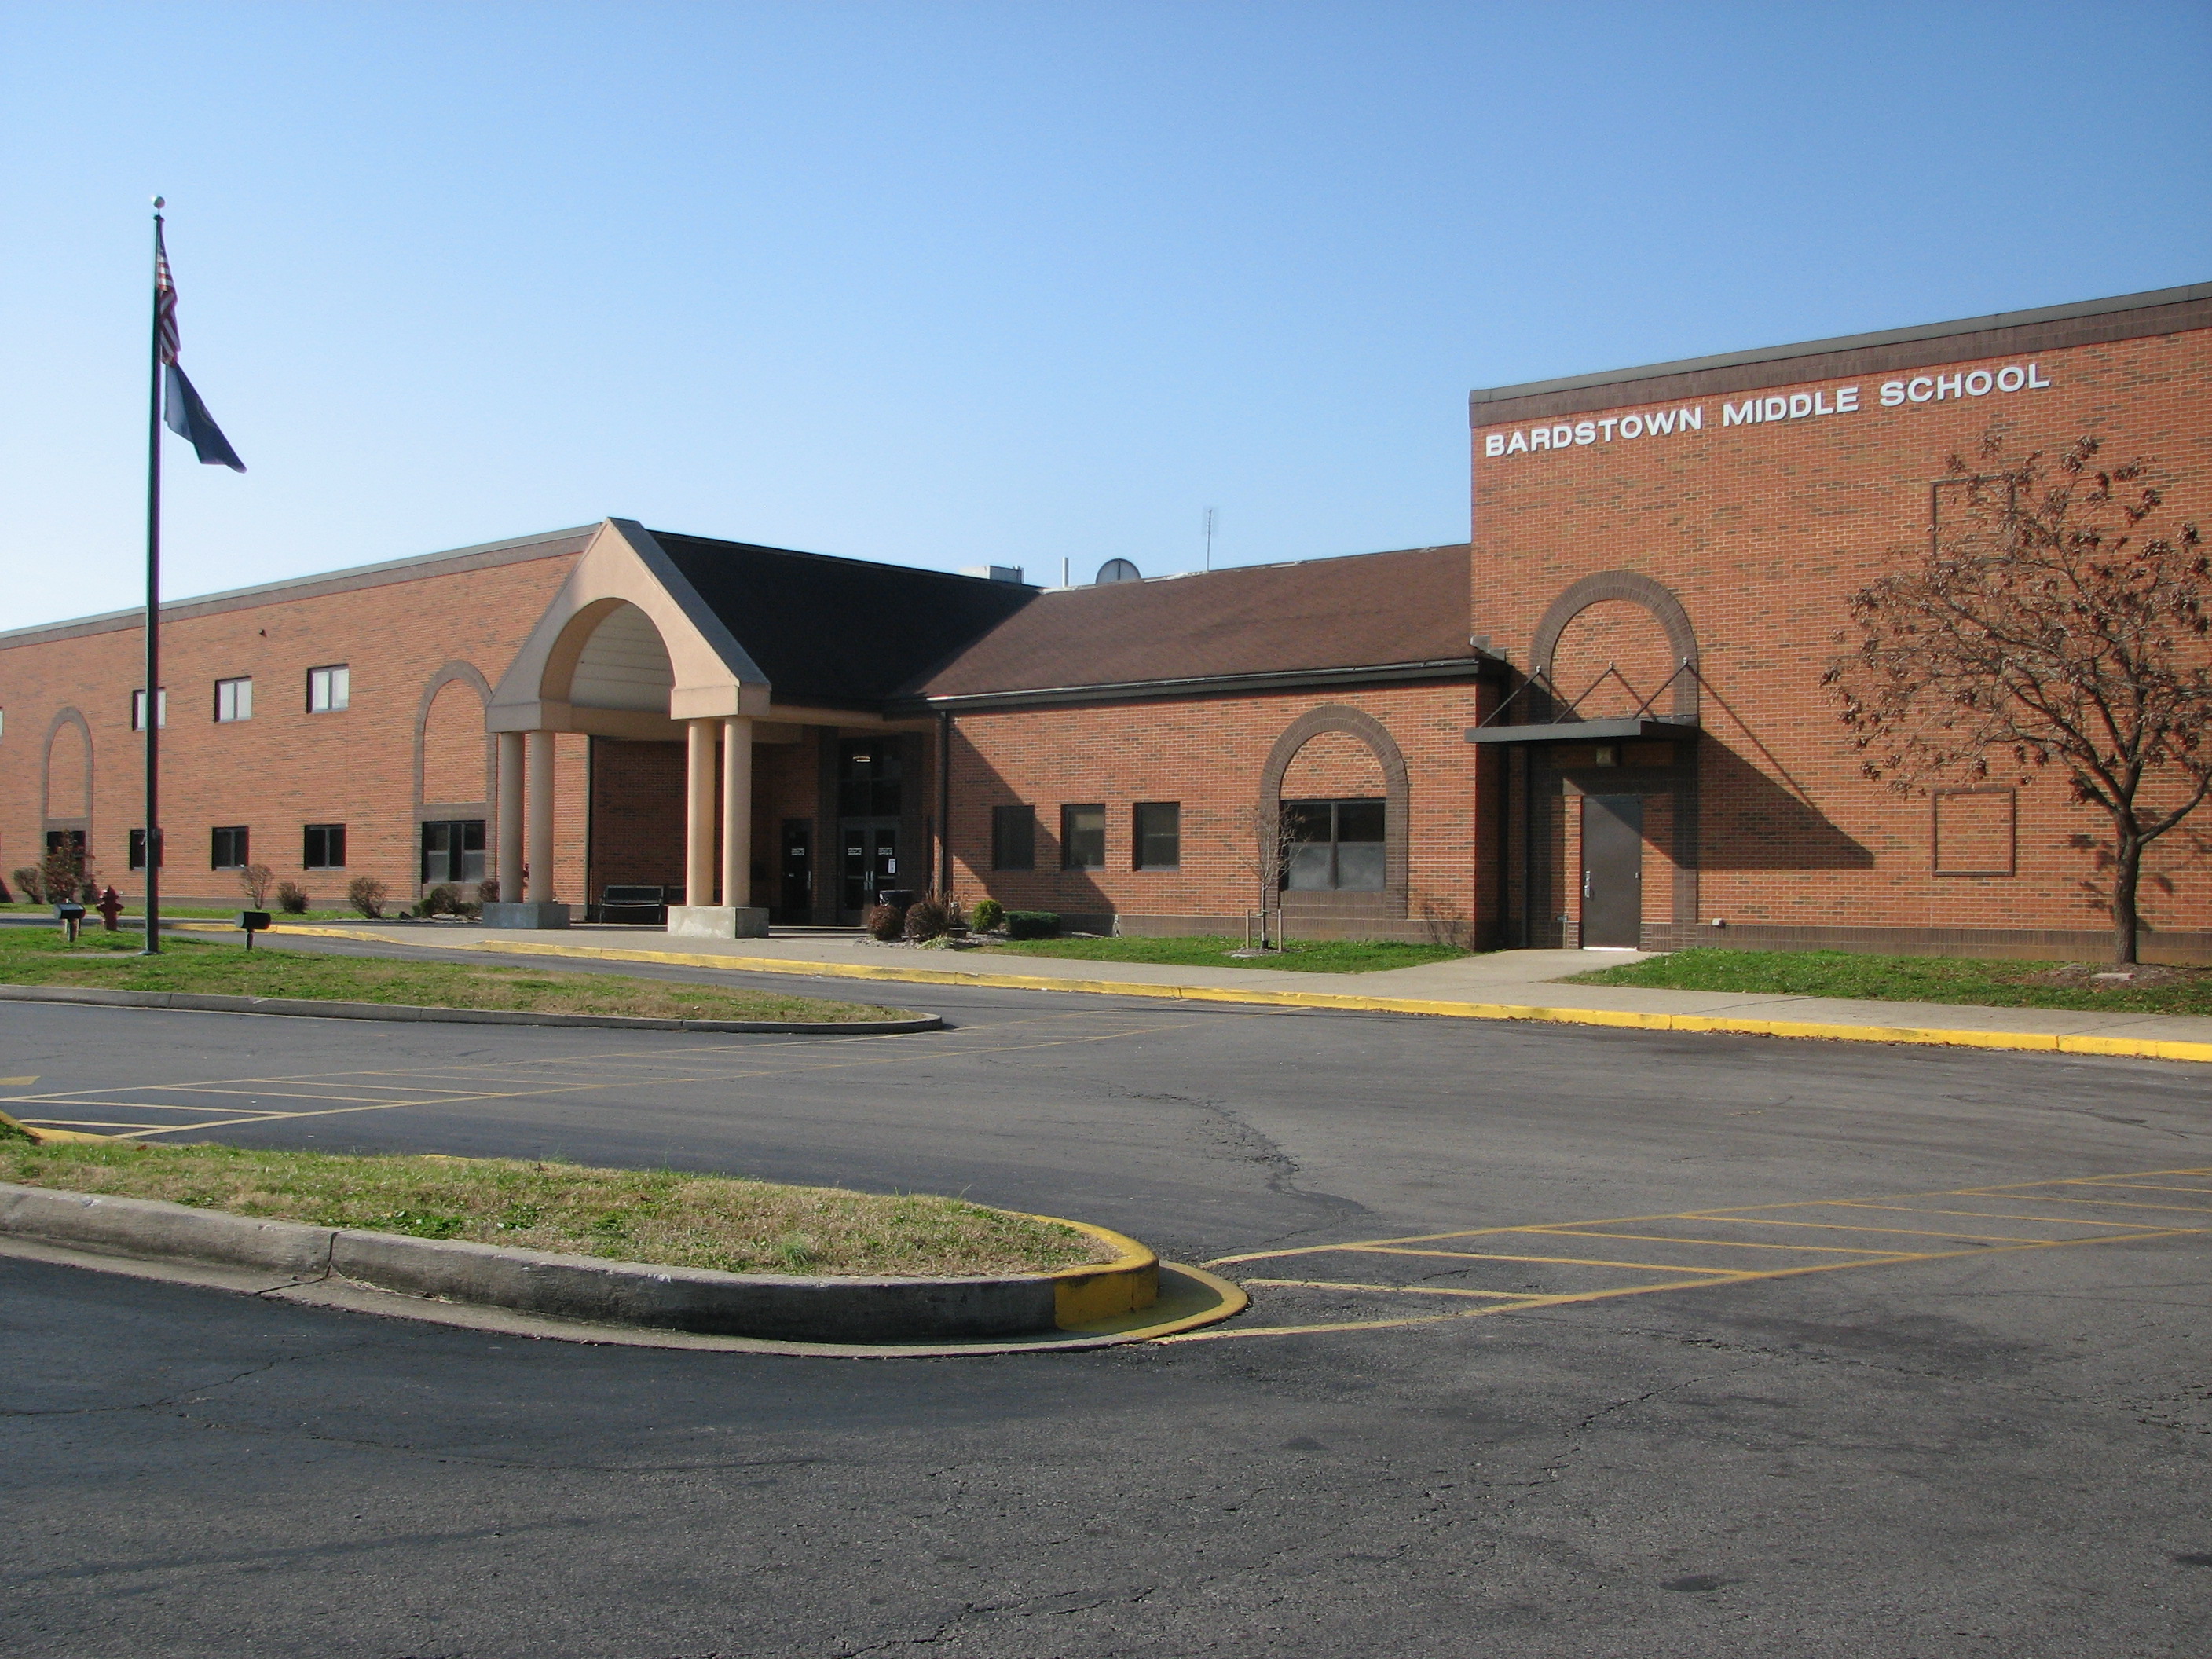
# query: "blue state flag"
{"points": [[183, 411]]}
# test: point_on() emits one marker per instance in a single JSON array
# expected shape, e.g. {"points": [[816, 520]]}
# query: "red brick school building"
{"points": [[1600, 722]]}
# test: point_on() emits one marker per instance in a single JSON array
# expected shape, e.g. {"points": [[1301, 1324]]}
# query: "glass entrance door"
{"points": [[870, 861]]}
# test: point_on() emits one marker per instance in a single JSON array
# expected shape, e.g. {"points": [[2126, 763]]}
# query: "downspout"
{"points": [[945, 804]]}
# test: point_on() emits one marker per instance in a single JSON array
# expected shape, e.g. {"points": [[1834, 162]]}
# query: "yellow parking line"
{"points": [[2115, 1203], [1907, 1232], [2141, 1186], [1557, 1260], [1986, 1215], [1570, 1230], [1402, 1290]]}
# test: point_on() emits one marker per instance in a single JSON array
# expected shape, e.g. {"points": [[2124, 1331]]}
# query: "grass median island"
{"points": [[38, 955], [1342, 955], [668, 1218], [2154, 990]]}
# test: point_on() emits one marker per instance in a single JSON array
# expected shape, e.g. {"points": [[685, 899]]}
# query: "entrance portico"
{"points": [[626, 651]]}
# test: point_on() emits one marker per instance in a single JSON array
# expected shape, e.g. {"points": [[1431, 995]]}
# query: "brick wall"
{"points": [[284, 767], [1762, 531], [1209, 756]]}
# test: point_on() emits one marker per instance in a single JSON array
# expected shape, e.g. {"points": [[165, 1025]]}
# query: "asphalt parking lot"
{"points": [[1651, 1345]]}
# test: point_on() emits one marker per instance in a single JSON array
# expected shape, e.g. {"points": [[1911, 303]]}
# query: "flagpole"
{"points": [[153, 832]]}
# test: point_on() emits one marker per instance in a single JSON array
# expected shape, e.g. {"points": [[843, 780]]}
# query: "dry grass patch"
{"points": [[667, 1216], [38, 955]]}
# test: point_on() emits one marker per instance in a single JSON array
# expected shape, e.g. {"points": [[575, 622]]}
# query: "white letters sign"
{"points": [[1765, 407]]}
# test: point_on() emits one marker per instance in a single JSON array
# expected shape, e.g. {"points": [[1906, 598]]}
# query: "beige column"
{"points": [[737, 811], [699, 815], [539, 889], [510, 817]]}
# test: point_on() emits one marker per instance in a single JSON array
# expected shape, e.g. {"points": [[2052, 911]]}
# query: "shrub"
{"points": [[255, 881], [1032, 924], [32, 883], [931, 917], [487, 893], [61, 872], [6, 897], [366, 895], [988, 913], [443, 900], [885, 921], [291, 898]]}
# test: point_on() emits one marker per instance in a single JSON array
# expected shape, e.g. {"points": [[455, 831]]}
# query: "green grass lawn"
{"points": [[668, 1217], [195, 912], [1915, 979], [40, 956], [1312, 957]]}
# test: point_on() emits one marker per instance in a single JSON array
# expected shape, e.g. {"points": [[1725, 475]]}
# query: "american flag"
{"points": [[165, 299]]}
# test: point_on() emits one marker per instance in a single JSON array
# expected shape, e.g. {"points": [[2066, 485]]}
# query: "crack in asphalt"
{"points": [[189, 1394]]}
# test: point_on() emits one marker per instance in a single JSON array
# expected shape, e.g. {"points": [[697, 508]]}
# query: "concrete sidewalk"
{"points": [[1502, 985]]}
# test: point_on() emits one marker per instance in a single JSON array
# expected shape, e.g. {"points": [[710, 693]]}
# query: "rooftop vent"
{"points": [[997, 572]]}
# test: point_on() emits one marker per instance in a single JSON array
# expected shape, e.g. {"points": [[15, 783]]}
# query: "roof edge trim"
{"points": [[1446, 668], [2145, 301]]}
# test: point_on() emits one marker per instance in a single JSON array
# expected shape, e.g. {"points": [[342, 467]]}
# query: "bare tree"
{"points": [[2056, 625], [1264, 838], [254, 881]]}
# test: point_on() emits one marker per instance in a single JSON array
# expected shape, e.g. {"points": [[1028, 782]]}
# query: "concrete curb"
{"points": [[308, 1007], [586, 1290], [2032, 1041]]}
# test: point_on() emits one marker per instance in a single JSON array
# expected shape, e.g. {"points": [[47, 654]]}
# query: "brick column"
{"points": [[737, 811], [699, 814], [510, 817], [539, 889]]}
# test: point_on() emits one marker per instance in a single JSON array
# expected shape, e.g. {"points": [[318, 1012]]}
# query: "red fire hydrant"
{"points": [[110, 907]]}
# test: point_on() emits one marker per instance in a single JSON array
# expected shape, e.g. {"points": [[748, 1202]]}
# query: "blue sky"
{"points": [[953, 284]]}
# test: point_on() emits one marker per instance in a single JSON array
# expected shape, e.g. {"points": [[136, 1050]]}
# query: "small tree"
{"points": [[255, 881], [1266, 837], [2054, 626]]}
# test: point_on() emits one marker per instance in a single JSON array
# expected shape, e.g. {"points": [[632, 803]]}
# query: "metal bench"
{"points": [[634, 902]]}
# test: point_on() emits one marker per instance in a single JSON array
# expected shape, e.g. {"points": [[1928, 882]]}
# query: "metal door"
{"points": [[871, 860], [1613, 871], [798, 889]]}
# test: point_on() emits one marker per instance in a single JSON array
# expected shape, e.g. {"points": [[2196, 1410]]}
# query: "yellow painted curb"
{"points": [[2033, 1041], [1099, 1291], [43, 1136]]}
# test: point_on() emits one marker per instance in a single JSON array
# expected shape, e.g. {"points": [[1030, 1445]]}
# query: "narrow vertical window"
{"points": [[1083, 838], [329, 688], [1013, 837], [1156, 835], [233, 700], [139, 709]]}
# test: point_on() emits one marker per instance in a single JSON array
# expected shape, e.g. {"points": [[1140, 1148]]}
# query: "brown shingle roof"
{"points": [[1367, 611]]}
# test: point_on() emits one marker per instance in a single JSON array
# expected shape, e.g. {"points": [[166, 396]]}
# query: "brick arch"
{"points": [[1397, 791], [1638, 589], [453, 673], [81, 818]]}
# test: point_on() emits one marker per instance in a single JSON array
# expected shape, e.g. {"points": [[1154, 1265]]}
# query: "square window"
{"points": [[1158, 838], [1013, 837], [1336, 845], [452, 851], [233, 700], [325, 847], [1083, 838], [228, 851], [139, 709], [329, 688]]}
